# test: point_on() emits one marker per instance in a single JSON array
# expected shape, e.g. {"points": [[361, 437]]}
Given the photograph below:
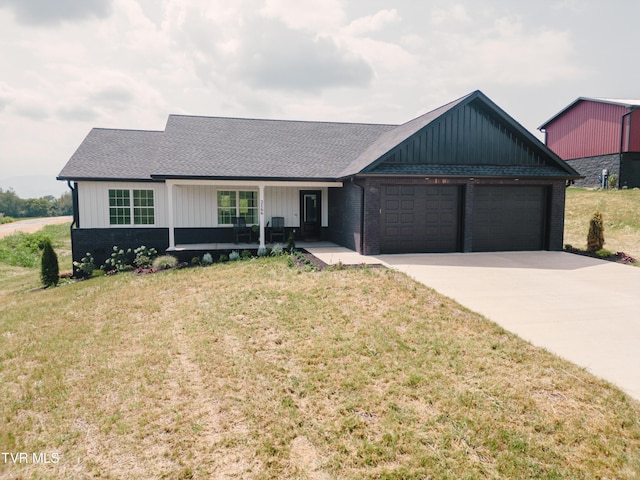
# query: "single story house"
{"points": [[465, 177], [596, 134]]}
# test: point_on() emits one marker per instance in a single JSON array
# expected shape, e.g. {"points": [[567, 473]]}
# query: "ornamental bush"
{"points": [[165, 262], [49, 272], [86, 266], [595, 237]]}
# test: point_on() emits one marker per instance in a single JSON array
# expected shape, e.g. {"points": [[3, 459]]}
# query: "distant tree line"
{"points": [[11, 205]]}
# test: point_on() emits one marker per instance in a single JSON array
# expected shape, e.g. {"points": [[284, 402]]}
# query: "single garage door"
{"points": [[508, 218], [420, 219]]}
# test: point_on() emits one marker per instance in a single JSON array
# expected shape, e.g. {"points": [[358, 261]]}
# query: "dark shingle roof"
{"points": [[234, 148], [114, 154]]}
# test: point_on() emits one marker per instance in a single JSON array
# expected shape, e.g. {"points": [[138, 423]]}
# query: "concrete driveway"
{"points": [[582, 309], [31, 225]]}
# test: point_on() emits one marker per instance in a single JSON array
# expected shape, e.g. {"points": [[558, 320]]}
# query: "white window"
{"points": [[232, 203], [122, 209]]}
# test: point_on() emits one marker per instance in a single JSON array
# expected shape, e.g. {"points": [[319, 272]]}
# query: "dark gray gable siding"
{"points": [[471, 139]]}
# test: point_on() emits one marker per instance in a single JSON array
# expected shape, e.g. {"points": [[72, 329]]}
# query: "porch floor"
{"points": [[245, 246]]}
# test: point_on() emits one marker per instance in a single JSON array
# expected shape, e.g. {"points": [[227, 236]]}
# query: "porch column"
{"points": [[172, 237], [261, 219]]}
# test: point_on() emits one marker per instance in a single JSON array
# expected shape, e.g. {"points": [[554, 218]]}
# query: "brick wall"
{"points": [[591, 168], [345, 208], [100, 241]]}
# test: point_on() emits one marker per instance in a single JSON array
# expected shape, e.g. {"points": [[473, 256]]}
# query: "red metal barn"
{"points": [[594, 134]]}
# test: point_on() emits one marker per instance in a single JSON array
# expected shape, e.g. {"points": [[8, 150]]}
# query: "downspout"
{"points": [[74, 203], [353, 180], [631, 109]]}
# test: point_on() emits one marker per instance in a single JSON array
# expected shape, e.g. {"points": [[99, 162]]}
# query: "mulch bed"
{"points": [[618, 257]]}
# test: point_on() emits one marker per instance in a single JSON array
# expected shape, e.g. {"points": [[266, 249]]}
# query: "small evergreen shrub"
{"points": [[223, 258], [291, 242], [262, 252], [277, 250], [50, 272], [207, 260], [233, 256], [165, 262], [595, 237], [613, 181], [245, 255]]}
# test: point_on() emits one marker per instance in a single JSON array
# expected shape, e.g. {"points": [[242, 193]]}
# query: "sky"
{"points": [[71, 65]]}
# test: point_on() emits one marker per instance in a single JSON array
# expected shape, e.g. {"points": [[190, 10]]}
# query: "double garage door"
{"points": [[430, 219]]}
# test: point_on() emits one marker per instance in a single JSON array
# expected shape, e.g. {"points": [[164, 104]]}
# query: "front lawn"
{"points": [[254, 369], [621, 213]]}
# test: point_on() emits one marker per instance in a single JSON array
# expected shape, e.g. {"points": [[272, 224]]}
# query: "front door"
{"points": [[310, 224]]}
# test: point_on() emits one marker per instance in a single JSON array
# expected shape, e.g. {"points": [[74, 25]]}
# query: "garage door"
{"points": [[507, 218], [420, 219]]}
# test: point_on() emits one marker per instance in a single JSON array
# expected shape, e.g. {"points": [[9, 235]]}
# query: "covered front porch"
{"points": [[201, 212]]}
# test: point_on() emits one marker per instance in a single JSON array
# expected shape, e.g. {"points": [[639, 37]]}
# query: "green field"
{"points": [[255, 369], [621, 213]]}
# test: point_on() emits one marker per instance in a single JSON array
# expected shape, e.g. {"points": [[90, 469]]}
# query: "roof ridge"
{"points": [[280, 120]]}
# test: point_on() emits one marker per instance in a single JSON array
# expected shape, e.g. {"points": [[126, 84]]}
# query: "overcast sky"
{"points": [[70, 65]]}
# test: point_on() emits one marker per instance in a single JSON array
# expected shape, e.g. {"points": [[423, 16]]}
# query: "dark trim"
{"points": [[246, 179], [109, 179]]}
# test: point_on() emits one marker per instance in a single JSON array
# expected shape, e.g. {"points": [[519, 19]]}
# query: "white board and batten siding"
{"points": [[195, 206], [93, 203]]}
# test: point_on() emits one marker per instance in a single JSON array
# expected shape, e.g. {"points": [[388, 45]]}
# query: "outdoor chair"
{"points": [[240, 229], [277, 228]]}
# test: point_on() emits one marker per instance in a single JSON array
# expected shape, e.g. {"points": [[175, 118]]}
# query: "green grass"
{"points": [[621, 213], [253, 369], [24, 249]]}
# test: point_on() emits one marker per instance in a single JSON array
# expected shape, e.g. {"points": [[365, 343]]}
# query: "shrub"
{"points": [[604, 253], [85, 266], [50, 271], [595, 237], [233, 256], [613, 181], [6, 219], [223, 258], [118, 260], [165, 262], [291, 242], [277, 250], [245, 255], [262, 252], [144, 256], [207, 259]]}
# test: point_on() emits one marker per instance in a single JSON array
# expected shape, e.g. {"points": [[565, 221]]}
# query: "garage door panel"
{"points": [[508, 218], [428, 219]]}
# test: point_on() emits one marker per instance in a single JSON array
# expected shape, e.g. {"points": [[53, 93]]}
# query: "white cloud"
{"points": [[455, 13], [38, 12], [507, 53], [314, 15], [372, 23]]}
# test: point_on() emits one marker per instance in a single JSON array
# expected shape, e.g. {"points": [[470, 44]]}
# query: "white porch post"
{"points": [[261, 219], [172, 237]]}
